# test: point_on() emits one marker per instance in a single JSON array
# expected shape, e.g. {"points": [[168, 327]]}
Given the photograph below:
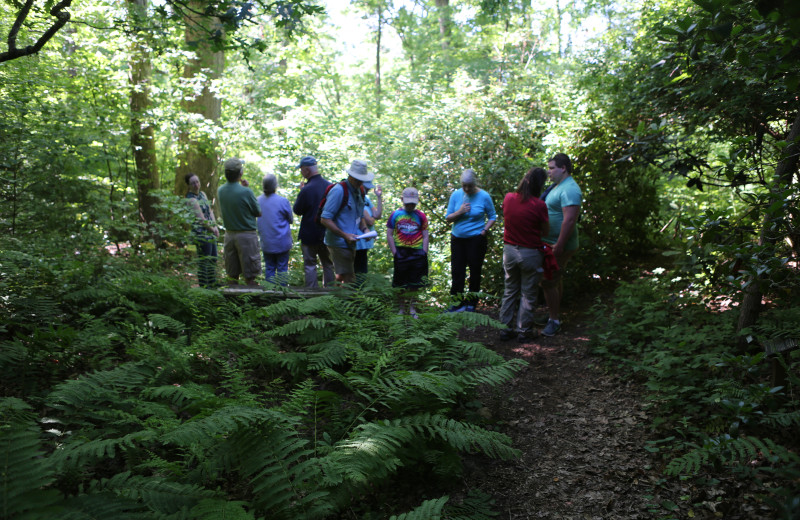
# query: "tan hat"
{"points": [[358, 169], [410, 196]]}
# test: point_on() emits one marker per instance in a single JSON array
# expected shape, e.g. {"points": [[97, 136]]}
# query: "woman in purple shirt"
{"points": [[274, 231]]}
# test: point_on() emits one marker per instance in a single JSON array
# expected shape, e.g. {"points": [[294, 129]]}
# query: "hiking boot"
{"points": [[552, 328], [506, 334], [524, 337]]}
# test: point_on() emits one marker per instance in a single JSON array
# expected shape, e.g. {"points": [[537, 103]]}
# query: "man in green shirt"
{"points": [[239, 212]]}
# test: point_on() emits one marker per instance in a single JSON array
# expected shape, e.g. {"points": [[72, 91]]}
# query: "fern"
{"points": [[24, 472], [216, 509], [477, 505], [731, 451], [428, 510], [160, 321]]}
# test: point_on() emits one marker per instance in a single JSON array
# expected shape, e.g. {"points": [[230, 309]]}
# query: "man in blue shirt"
{"points": [[311, 234], [239, 212], [342, 218], [563, 207]]}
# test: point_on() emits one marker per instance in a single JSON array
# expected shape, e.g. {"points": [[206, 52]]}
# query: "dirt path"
{"points": [[581, 431]]}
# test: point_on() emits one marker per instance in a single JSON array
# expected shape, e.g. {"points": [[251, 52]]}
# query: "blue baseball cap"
{"points": [[308, 160]]}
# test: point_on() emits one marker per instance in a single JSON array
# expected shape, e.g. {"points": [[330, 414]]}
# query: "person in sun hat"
{"points": [[472, 213], [407, 236], [342, 218], [312, 234]]}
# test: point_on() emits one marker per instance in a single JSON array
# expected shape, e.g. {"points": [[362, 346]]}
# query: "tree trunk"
{"points": [[378, 64], [198, 148], [784, 172], [443, 6], [142, 131]]}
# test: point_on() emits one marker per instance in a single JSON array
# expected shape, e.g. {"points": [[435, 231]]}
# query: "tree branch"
{"points": [[57, 11]]}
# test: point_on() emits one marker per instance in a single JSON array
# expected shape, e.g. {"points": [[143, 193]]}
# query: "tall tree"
{"points": [[142, 129], [199, 152]]}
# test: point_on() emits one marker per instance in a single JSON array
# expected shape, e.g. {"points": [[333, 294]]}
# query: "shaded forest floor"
{"points": [[581, 431]]}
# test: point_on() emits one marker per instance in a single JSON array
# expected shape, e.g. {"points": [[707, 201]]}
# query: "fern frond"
{"points": [[162, 322], [494, 375], [12, 353], [216, 508], [428, 510], [159, 495], [222, 422], [24, 471], [463, 436], [79, 452], [477, 505], [784, 419], [730, 451]]}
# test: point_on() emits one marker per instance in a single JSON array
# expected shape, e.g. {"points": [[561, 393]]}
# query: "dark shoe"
{"points": [[469, 308], [507, 334], [551, 329], [457, 308], [525, 337]]}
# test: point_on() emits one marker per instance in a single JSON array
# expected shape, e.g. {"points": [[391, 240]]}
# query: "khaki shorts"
{"points": [[343, 259], [242, 254]]}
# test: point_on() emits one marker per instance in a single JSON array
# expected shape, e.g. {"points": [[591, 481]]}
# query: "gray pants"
{"points": [[310, 254], [523, 269]]}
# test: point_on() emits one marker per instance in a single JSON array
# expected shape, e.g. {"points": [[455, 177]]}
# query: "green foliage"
{"points": [[184, 404], [718, 408]]}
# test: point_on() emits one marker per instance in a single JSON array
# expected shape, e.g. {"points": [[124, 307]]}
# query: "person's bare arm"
{"points": [[367, 219], [377, 209]]}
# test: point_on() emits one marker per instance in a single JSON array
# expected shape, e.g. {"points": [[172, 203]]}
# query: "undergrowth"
{"points": [[127, 394], [718, 414]]}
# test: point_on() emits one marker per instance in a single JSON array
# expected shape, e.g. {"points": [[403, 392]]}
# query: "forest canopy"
{"points": [[682, 119]]}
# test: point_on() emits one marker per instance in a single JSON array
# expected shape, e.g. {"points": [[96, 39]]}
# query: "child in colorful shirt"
{"points": [[407, 236]]}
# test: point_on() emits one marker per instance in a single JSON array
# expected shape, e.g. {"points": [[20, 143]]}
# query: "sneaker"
{"points": [[541, 320], [552, 328], [507, 334]]}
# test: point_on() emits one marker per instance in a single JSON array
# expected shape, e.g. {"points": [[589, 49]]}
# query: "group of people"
{"points": [[337, 228]]}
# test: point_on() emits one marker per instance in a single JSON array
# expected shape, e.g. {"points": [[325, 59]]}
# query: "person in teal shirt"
{"points": [[563, 201], [472, 213], [240, 210]]}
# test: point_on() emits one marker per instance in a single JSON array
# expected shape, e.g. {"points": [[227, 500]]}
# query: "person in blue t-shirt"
{"points": [[344, 220], [563, 207], [472, 213]]}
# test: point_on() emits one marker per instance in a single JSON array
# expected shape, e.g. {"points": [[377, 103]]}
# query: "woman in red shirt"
{"points": [[526, 222]]}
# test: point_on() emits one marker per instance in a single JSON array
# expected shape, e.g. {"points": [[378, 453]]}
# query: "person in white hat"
{"points": [[342, 216], [407, 236]]}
